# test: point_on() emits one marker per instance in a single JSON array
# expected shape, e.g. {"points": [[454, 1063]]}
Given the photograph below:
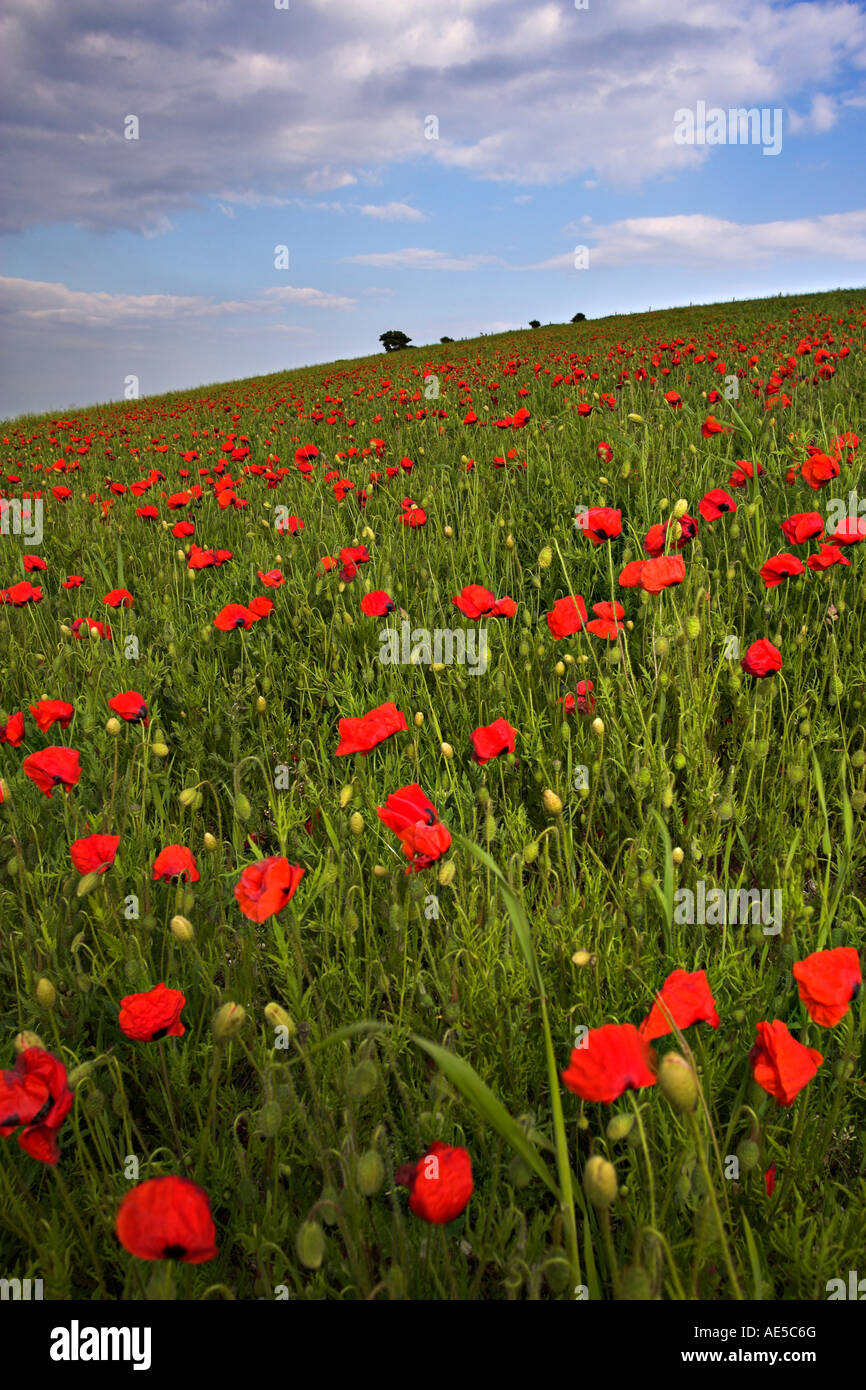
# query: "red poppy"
{"points": [[611, 1060], [567, 616], [415, 821], [770, 1179], [607, 622], [827, 556], [118, 598], [661, 573], [12, 732], [686, 999], [711, 426], [53, 767], [828, 981], [583, 700], [363, 734], [743, 471], [33, 562], [630, 576], [762, 659], [265, 887], [716, 503], [94, 854], [260, 607], [818, 470], [152, 1015], [849, 532], [49, 712], [440, 1183], [605, 452], [167, 1219], [232, 616], [489, 740], [377, 604], [183, 530], [175, 864], [600, 524], [779, 567], [272, 579], [802, 526], [82, 627], [35, 1094], [474, 601], [72, 581], [780, 1064], [130, 706], [674, 400], [21, 594]]}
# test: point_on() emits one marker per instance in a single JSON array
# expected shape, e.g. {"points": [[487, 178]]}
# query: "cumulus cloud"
{"points": [[311, 99], [420, 258], [392, 212]]}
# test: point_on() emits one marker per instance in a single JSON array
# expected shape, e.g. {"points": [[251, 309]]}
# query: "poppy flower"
{"points": [[802, 526], [661, 573], [612, 1060], [674, 400], [94, 854], [377, 604], [605, 452], [232, 616], [712, 426], [828, 981], [152, 1015], [770, 1179], [12, 732], [489, 740], [474, 601], [827, 556], [175, 864], [781, 1065], [849, 532], [53, 767], [19, 595], [130, 706], [762, 659], [167, 1219], [35, 1094], [629, 577], [440, 1183], [82, 627], [600, 524], [716, 503], [260, 607], [656, 536], [415, 821], [779, 567], [265, 887], [183, 530], [49, 712], [567, 616], [744, 469], [607, 622], [363, 734], [818, 470], [272, 579], [582, 700], [118, 598], [72, 581], [33, 562], [686, 999]]}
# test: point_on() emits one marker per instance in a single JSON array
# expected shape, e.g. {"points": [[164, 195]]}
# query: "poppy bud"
{"points": [[678, 856], [509, 542], [552, 803], [545, 557], [210, 841], [346, 794], [446, 750], [269, 1118], [67, 631], [356, 823], [693, 627], [681, 506], [181, 928], [635, 1285], [228, 1021], [112, 727], [600, 1181], [858, 800], [677, 1082], [79, 1074], [362, 1080], [243, 809], [276, 1017], [46, 994], [419, 720], [310, 1244], [530, 852], [370, 1172], [619, 1127], [446, 873], [598, 727], [187, 796], [86, 884], [636, 419], [261, 704], [449, 531], [748, 1154], [519, 1172], [581, 958], [27, 1039], [380, 871]]}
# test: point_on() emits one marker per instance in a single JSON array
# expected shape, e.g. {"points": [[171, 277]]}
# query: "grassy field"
{"points": [[397, 995]]}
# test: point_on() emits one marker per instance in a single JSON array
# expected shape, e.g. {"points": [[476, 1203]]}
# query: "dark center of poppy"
{"points": [[160, 1033], [173, 1252]]}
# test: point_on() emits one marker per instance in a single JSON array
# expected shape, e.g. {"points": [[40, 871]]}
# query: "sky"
{"points": [[206, 190]]}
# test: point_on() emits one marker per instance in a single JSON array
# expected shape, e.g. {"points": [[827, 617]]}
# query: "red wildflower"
{"points": [[762, 659], [175, 864], [686, 999], [600, 523], [152, 1015], [118, 598], [716, 503], [12, 732], [167, 1219], [827, 555], [661, 573], [475, 602], [819, 469], [607, 622], [611, 1060], [779, 567], [361, 735], [828, 981], [377, 604], [130, 706], [489, 740], [780, 1064], [35, 1094], [583, 700], [94, 854], [802, 526], [265, 887], [440, 1183], [567, 616], [53, 767]]}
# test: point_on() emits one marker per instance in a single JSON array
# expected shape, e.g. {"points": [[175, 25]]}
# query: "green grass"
{"points": [[760, 783]]}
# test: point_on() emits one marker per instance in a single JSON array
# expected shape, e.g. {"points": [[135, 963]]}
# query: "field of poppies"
{"points": [[432, 854]]}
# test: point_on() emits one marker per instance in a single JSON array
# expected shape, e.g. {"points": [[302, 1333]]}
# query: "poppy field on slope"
{"points": [[432, 806]]}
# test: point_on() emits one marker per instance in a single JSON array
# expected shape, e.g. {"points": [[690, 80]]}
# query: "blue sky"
{"points": [[307, 127]]}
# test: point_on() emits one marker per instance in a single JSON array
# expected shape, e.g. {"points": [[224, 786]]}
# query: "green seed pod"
{"points": [[310, 1244], [46, 994], [362, 1080], [530, 852], [677, 1082], [748, 1154], [519, 1172], [227, 1022], [600, 1181], [635, 1285], [243, 809], [370, 1172], [86, 884], [269, 1118], [619, 1127]]}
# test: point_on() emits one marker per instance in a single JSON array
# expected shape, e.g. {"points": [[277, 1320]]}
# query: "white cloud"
{"points": [[419, 258], [392, 212]]}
